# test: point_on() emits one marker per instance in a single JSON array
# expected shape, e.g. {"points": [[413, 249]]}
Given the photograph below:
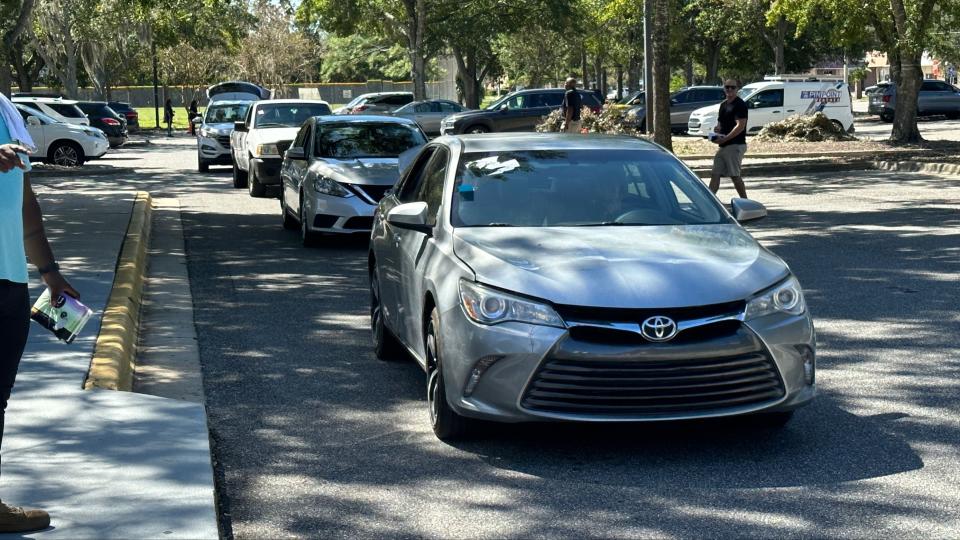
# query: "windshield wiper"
{"points": [[604, 224], [499, 225]]}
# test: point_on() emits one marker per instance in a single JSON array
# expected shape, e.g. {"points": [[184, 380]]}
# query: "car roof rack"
{"points": [[803, 77], [37, 95]]}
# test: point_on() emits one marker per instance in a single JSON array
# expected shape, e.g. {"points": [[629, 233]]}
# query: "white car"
{"points": [[778, 97], [61, 143], [64, 110], [258, 142]]}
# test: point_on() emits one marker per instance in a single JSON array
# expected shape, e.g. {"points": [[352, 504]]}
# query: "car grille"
{"points": [[224, 140], [360, 223], [374, 193], [655, 388], [600, 314]]}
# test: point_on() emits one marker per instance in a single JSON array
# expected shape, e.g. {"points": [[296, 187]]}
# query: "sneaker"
{"points": [[17, 519]]}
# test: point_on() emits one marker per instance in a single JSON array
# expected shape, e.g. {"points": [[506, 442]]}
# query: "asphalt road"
{"points": [[314, 437]]}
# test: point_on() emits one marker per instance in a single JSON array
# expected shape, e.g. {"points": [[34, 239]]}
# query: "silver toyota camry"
{"points": [[541, 277]]}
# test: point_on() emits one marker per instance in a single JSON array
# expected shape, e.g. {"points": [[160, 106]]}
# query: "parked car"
{"points": [[429, 114], [877, 88], [545, 277], [935, 98], [62, 143], [634, 98], [213, 132], [377, 102], [682, 103], [517, 111], [338, 168], [258, 142], [64, 110], [106, 120], [127, 111], [778, 97]]}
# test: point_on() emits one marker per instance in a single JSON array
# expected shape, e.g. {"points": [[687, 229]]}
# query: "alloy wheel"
{"points": [[66, 156]]}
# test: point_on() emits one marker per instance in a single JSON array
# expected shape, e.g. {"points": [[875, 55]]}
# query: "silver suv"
{"points": [[377, 102], [935, 98]]}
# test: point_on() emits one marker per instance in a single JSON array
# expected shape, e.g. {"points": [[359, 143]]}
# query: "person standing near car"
{"points": [[731, 137], [192, 112], [570, 109], [168, 116], [22, 237]]}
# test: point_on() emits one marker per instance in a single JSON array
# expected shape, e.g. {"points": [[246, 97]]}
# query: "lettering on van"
{"points": [[822, 96]]}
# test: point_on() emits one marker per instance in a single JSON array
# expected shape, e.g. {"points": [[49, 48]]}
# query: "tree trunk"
{"points": [[6, 78], [688, 72], [713, 65], [583, 66], [619, 82], [416, 13], [468, 78], [905, 128], [661, 75]]}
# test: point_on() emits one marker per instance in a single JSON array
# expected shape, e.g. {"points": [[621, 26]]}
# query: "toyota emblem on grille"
{"points": [[658, 328]]}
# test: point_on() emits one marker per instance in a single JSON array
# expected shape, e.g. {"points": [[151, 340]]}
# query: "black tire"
{"points": [[289, 222], [239, 177], [66, 154], [202, 165], [385, 344], [255, 188], [838, 125], [447, 424], [477, 129], [307, 238], [886, 116]]}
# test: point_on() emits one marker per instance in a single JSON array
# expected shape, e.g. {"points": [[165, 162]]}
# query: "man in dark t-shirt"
{"points": [[570, 110], [730, 134]]}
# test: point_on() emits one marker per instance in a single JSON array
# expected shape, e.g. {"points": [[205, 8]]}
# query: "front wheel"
{"points": [[385, 345], [837, 125], [447, 424], [307, 237], [886, 116], [289, 223], [239, 177], [254, 186], [66, 154]]}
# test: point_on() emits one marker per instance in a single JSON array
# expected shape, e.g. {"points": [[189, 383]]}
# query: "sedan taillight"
{"points": [[886, 99], [359, 109], [111, 122]]}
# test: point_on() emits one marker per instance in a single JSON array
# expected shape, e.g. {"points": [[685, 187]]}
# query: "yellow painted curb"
{"points": [[114, 354]]}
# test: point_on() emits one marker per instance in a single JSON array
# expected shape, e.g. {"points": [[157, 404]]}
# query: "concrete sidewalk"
{"points": [[105, 464]]}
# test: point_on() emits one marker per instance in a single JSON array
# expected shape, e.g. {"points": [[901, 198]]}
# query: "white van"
{"points": [[782, 96], [64, 110]]}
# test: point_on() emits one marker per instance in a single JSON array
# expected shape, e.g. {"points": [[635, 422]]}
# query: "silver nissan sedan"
{"points": [[540, 277]]}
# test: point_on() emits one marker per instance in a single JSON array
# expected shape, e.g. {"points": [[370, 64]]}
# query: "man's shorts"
{"points": [[574, 126], [728, 159]]}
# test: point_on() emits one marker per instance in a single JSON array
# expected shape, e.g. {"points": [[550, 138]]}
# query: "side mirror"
{"points": [[239, 126], [33, 121], [295, 153], [751, 104], [197, 120], [410, 216], [747, 210]]}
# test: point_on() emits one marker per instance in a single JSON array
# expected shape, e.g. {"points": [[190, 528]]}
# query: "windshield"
{"points": [[288, 114], [226, 113], [636, 98], [360, 140], [561, 188], [496, 104], [746, 92]]}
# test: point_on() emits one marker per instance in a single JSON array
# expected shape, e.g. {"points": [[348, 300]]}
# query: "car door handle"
{"points": [[775, 112], [791, 110]]}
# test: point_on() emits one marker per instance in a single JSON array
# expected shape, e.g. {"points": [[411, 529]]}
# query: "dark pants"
{"points": [[14, 326]]}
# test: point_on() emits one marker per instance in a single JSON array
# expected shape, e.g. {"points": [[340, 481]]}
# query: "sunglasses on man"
{"points": [[729, 87]]}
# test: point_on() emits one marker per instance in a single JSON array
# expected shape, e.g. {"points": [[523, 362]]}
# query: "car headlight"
{"points": [[330, 187], [269, 149], [206, 132], [786, 297], [488, 306]]}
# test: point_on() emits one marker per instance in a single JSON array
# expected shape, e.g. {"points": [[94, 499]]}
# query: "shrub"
{"points": [[612, 120]]}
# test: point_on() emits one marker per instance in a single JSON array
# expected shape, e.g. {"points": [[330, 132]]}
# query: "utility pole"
{"points": [[647, 66], [156, 83]]}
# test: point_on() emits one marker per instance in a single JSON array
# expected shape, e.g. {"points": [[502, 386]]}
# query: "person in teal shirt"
{"points": [[21, 237]]}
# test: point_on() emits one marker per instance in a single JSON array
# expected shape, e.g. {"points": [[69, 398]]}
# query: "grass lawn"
{"points": [[148, 120]]}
